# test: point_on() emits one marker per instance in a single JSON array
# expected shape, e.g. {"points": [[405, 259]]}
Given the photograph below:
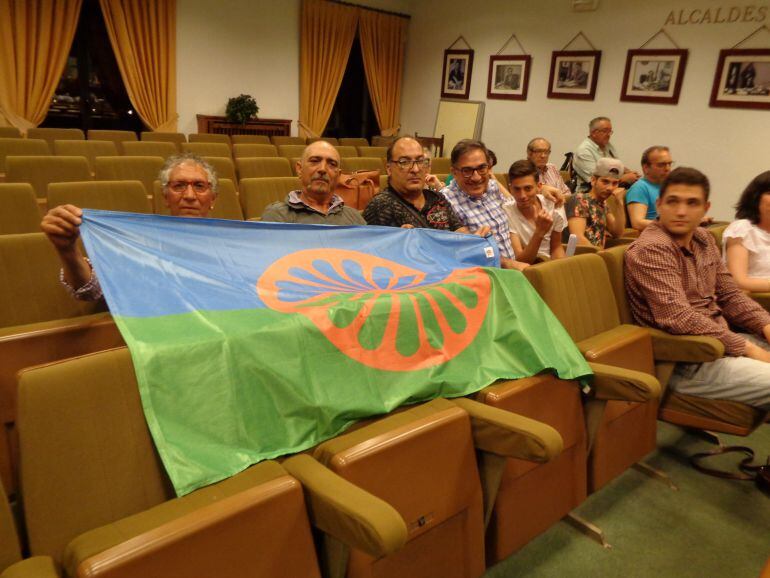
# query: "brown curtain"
{"points": [[383, 38], [143, 36], [326, 36], [35, 40]]}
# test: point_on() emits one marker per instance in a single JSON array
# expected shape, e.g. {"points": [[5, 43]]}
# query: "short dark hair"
{"points": [[465, 146], [389, 152], [686, 176], [747, 206], [522, 168], [649, 150]]}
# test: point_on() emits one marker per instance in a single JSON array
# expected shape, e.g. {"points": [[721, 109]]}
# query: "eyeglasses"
{"points": [[664, 165], [540, 151], [467, 172], [407, 164], [604, 130], [198, 187]]}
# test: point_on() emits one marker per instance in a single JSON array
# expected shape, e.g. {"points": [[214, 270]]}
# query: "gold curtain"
{"points": [[326, 36], [383, 38], [35, 40], [143, 36]]}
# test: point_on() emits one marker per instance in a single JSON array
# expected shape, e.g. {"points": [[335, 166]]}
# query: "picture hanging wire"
{"points": [[579, 34], [763, 27], [658, 33], [461, 37], [507, 42]]}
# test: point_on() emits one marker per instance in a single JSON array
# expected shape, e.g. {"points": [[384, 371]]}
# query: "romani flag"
{"points": [[255, 340]]}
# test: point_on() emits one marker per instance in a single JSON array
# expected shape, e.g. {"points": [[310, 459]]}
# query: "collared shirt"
{"points": [[594, 211], [390, 209], [486, 210], [688, 291], [586, 155], [550, 175], [91, 291], [646, 193], [295, 210]]}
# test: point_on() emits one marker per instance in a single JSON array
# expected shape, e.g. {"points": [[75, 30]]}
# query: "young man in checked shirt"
{"points": [[676, 281]]}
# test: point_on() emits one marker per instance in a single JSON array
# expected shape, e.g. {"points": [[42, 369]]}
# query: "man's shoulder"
{"points": [[587, 145], [653, 240], [277, 209]]}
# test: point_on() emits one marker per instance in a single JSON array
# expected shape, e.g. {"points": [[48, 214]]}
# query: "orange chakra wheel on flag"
{"points": [[379, 312]]}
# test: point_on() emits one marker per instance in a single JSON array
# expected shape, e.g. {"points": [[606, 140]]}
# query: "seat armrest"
{"points": [[35, 567], [685, 348], [762, 298], [510, 435], [345, 511], [617, 383]]}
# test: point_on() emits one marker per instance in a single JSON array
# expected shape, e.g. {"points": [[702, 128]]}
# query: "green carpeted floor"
{"points": [[710, 527]]}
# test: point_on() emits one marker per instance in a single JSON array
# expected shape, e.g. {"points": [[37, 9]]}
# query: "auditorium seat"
{"points": [[39, 322], [209, 137], [717, 233], [20, 213], [149, 149], [354, 142], [329, 139], [579, 292], [144, 169], [97, 499], [373, 152], [173, 137], [250, 139], [116, 136], [720, 416], [207, 149], [21, 147], [128, 196], [256, 194], [352, 164], [51, 134], [440, 165], [9, 132], [41, 170], [290, 150], [90, 149], [263, 167], [383, 141], [224, 167], [242, 150], [288, 140], [347, 151], [226, 205]]}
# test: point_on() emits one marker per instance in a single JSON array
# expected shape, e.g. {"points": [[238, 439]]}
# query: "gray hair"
{"points": [[531, 144], [595, 121], [648, 151], [176, 160]]}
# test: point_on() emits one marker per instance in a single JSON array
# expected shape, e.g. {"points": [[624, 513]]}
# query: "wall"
{"points": [[729, 145]]}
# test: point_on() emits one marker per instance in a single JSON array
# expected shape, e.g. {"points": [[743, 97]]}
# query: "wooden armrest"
{"points": [[685, 348], [35, 567], [617, 383]]}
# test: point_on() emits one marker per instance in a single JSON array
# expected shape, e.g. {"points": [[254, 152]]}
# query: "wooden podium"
{"points": [[266, 126]]}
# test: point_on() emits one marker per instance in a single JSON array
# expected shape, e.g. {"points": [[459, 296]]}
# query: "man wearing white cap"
{"points": [[589, 216]]}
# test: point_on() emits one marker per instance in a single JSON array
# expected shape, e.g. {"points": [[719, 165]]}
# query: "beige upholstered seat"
{"points": [[372, 152], [329, 139], [128, 196], [9, 132], [173, 137], [263, 167], [149, 149], [441, 165], [352, 164], [224, 167], [21, 147], [354, 142], [250, 139], [288, 140], [207, 149], [144, 169], [51, 134], [226, 206], [20, 213], [347, 151], [41, 170], [90, 149], [256, 194], [209, 137], [241, 150], [116, 136], [290, 151]]}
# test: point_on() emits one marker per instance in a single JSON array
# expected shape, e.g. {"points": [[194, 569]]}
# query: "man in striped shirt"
{"points": [[676, 281]]}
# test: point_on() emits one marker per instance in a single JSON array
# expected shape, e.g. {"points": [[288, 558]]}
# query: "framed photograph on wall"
{"points": [[508, 77], [654, 76], [742, 79], [456, 78], [574, 74]]}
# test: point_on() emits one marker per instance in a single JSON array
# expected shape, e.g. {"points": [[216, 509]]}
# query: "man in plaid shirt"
{"points": [[676, 281]]}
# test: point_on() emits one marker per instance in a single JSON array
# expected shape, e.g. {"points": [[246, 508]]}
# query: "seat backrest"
{"points": [[30, 291], [614, 260], [86, 454], [354, 142], [126, 196], [256, 194], [362, 164], [288, 140], [20, 213], [249, 168], [226, 206], [21, 147], [242, 150], [250, 139], [173, 137], [373, 152], [330, 139], [9, 132], [38, 171], [440, 165], [208, 137], [149, 149], [52, 134], [207, 149], [224, 167], [290, 151], [578, 291], [383, 141], [115, 136], [347, 151], [717, 232], [9, 539], [90, 149], [144, 169]]}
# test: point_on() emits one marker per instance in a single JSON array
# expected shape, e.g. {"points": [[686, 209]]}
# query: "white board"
{"points": [[458, 119]]}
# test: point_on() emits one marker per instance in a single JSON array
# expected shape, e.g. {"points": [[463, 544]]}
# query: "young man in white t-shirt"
{"points": [[535, 223]]}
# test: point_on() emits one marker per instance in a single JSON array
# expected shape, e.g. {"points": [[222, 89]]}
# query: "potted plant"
{"points": [[241, 108]]}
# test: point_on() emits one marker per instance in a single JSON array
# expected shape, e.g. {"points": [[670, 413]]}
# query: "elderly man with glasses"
{"points": [[189, 187], [548, 176], [596, 146]]}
